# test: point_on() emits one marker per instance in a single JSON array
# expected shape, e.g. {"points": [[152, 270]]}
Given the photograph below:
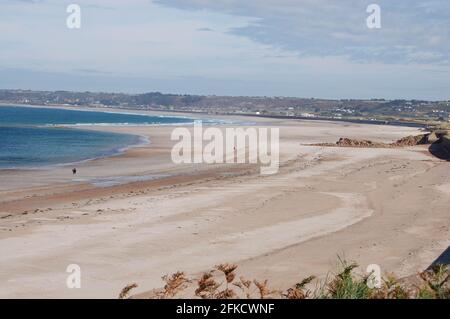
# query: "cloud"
{"points": [[205, 29], [338, 28]]}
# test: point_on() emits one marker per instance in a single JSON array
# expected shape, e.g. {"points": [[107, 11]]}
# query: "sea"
{"points": [[34, 137]]}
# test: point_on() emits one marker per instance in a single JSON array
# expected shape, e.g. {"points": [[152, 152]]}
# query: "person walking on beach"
{"points": [[74, 171]]}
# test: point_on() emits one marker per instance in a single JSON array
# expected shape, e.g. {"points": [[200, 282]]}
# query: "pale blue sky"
{"points": [[305, 48]]}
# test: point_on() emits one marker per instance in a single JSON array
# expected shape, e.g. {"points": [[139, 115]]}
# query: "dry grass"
{"points": [[228, 271], [222, 283], [207, 286], [126, 290], [299, 291], [245, 286], [175, 283], [263, 288]]}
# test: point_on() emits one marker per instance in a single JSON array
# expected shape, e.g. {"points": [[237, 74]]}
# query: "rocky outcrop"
{"points": [[439, 142], [413, 140], [441, 148], [422, 139], [348, 142], [445, 145]]}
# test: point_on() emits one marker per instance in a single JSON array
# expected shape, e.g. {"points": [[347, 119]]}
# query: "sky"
{"points": [[301, 48]]}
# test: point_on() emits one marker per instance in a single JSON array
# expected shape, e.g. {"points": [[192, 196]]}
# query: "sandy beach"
{"points": [[137, 216]]}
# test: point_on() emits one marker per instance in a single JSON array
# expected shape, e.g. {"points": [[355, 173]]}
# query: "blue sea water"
{"points": [[29, 137]]}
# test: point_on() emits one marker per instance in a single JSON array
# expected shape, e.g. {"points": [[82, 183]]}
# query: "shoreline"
{"points": [[228, 115], [143, 141]]}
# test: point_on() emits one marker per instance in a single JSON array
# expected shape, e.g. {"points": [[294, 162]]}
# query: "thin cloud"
{"points": [[205, 30], [336, 28]]}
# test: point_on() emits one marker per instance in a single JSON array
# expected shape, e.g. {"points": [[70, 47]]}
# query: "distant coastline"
{"points": [[371, 110], [180, 113]]}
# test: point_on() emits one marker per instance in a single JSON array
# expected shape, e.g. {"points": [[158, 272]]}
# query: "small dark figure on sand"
{"points": [[74, 171]]}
